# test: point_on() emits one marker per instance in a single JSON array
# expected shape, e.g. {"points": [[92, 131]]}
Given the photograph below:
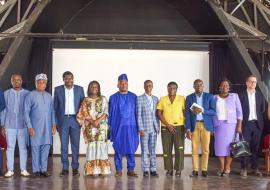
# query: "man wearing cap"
{"points": [[13, 125], [67, 101], [40, 120], [124, 130]]}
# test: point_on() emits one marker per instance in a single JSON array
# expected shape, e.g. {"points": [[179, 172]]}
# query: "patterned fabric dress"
{"points": [[97, 160]]}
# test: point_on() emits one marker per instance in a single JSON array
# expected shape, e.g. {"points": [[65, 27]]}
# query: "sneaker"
{"points": [[243, 173], [169, 173], [257, 173], [25, 173], [178, 173], [9, 174]]}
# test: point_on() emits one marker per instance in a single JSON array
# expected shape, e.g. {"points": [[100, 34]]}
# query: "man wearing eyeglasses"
{"points": [[200, 109], [253, 106]]}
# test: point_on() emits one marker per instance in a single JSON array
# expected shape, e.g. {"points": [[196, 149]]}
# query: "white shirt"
{"points": [[69, 101], [252, 105], [221, 108], [150, 99]]}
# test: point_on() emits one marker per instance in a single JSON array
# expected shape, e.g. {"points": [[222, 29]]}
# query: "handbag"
{"points": [[239, 148]]}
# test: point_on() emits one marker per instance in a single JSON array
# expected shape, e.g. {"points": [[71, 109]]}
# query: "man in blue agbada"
{"points": [[40, 121], [123, 126]]}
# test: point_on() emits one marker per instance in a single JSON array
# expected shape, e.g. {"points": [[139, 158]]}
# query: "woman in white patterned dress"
{"points": [[92, 117]]}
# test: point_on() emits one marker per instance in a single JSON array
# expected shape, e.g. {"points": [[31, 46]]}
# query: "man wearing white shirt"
{"points": [[148, 125], [253, 106], [67, 100]]}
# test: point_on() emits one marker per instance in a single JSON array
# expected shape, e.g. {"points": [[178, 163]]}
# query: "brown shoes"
{"points": [[118, 174], [132, 174]]}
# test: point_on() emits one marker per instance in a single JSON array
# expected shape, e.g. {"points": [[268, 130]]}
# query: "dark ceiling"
{"points": [[168, 17]]}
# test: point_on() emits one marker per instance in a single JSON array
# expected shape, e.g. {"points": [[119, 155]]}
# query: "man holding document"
{"points": [[200, 109]]}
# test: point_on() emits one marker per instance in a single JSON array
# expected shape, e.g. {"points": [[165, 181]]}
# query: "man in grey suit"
{"points": [[67, 101], [148, 124]]}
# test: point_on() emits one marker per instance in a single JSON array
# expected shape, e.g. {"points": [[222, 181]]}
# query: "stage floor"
{"points": [[184, 182]]}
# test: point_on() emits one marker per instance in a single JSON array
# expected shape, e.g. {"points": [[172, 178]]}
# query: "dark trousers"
{"points": [[252, 134], [178, 141], [70, 130]]}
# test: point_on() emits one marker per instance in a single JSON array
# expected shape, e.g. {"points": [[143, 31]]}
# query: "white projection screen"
{"points": [[104, 65]]}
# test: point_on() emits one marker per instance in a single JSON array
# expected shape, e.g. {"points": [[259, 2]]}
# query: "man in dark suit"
{"points": [[253, 105], [67, 100]]}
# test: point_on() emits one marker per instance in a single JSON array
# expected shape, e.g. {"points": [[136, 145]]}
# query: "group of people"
{"points": [[126, 120]]}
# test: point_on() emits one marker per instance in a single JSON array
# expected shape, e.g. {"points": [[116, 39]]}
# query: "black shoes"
{"points": [[194, 174], [169, 173], [204, 173], [154, 174], [64, 173], [145, 174], [35, 174], [41, 174], [45, 174], [75, 172]]}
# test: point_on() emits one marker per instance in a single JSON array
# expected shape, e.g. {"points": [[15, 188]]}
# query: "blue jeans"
{"points": [[12, 135]]}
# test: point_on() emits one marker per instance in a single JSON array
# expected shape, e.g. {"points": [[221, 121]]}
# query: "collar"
{"points": [[69, 88], [251, 92], [198, 95], [147, 95], [17, 90]]}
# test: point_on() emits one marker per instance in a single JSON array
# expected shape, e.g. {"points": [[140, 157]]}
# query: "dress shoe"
{"points": [[45, 174], [118, 174], [75, 172], [35, 174], [194, 174], [63, 173], [132, 174], [145, 174], [204, 173], [154, 174]]}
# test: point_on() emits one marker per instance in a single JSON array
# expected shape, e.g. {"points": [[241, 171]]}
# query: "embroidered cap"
{"points": [[41, 76], [123, 77]]}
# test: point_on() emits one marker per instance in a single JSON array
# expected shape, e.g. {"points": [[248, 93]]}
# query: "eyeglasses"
{"points": [[253, 82], [198, 85]]}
